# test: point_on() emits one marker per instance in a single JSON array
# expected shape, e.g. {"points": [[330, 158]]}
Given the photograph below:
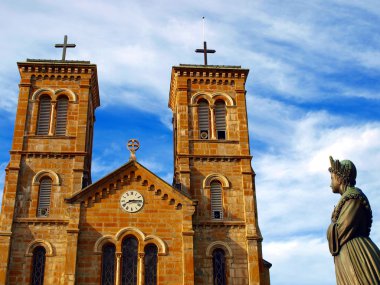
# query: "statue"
{"points": [[356, 257]]}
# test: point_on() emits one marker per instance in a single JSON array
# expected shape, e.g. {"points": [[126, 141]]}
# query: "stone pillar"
{"points": [[71, 255], [118, 258], [212, 121], [141, 269], [255, 260], [188, 257], [5, 239], [52, 115]]}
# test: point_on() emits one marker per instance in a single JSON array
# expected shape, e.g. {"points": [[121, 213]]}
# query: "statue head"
{"points": [[344, 170]]}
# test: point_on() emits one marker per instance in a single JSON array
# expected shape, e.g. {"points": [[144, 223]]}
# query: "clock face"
{"points": [[131, 201]]}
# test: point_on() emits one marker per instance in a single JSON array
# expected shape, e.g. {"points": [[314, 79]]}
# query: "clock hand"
{"points": [[134, 201]]}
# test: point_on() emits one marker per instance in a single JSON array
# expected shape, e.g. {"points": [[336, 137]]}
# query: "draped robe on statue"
{"points": [[356, 257]]}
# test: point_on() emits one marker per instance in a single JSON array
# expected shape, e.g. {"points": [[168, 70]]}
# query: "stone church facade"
{"points": [[130, 227]]}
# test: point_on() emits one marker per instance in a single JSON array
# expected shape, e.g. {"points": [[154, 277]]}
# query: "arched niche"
{"points": [[219, 244], [161, 245], [46, 172], [216, 177], [43, 91], [39, 242]]}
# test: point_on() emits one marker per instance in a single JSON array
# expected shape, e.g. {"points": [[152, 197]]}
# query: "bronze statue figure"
{"points": [[356, 257]]}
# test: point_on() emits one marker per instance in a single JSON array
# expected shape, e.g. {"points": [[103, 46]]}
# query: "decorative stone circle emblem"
{"points": [[133, 145]]}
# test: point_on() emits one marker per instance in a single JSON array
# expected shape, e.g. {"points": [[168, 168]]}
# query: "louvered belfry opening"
{"points": [[38, 266], [219, 267], [129, 261], [220, 119], [150, 263], [44, 197], [216, 200], [44, 112], [203, 119], [62, 105], [108, 264]]}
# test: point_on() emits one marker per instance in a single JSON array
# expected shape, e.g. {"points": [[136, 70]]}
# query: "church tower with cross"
{"points": [[213, 164], [130, 227], [50, 160]]}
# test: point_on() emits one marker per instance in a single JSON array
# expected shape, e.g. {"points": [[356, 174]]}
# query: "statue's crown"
{"points": [[345, 169]]}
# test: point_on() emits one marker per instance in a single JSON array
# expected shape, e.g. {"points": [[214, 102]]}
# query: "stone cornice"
{"points": [[214, 157], [221, 223], [41, 221], [209, 74], [58, 69], [49, 153]]}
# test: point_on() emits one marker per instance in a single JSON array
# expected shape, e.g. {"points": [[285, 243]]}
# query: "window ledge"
{"points": [[42, 220], [215, 141], [49, 137], [219, 223]]}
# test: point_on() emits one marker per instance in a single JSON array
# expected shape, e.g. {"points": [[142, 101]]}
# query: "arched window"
{"points": [[60, 127], [220, 119], [150, 263], [108, 264], [129, 261], [44, 197], [203, 119], [219, 267], [38, 266], [43, 123], [216, 200]]}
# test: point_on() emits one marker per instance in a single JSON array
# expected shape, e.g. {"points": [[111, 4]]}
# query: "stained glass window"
{"points": [[38, 267], [108, 264], [150, 263], [219, 266], [129, 261]]}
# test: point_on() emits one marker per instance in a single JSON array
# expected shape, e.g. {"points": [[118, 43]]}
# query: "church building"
{"points": [[130, 227]]}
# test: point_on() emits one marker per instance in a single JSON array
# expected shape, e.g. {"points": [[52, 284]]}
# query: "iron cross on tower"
{"points": [[64, 46], [205, 51]]}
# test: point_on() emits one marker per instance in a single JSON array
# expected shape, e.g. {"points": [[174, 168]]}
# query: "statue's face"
{"points": [[335, 183]]}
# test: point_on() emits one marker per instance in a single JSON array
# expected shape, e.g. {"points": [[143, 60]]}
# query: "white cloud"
{"points": [[303, 260], [297, 52], [294, 199]]}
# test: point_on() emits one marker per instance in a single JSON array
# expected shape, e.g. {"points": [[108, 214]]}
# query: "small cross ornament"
{"points": [[133, 145]]}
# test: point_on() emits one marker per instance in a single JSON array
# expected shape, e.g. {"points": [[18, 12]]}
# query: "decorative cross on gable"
{"points": [[65, 45]]}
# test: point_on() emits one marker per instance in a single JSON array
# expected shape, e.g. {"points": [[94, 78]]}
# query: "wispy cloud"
{"points": [[313, 91]]}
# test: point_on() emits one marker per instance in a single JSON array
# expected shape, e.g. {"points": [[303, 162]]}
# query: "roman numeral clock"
{"points": [[132, 201]]}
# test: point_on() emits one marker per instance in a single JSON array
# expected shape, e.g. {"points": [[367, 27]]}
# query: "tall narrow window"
{"points": [[43, 123], [150, 263], [44, 197], [108, 264], [203, 119], [129, 261], [38, 266], [219, 266], [220, 119], [216, 200], [60, 127]]}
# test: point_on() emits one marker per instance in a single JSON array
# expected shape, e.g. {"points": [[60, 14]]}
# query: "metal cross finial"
{"points": [[205, 51], [64, 46], [133, 145]]}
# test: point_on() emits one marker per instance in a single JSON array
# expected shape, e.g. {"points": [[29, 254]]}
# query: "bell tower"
{"points": [[212, 164], [50, 159]]}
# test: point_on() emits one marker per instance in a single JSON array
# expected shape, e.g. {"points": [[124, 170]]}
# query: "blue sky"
{"points": [[313, 91]]}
